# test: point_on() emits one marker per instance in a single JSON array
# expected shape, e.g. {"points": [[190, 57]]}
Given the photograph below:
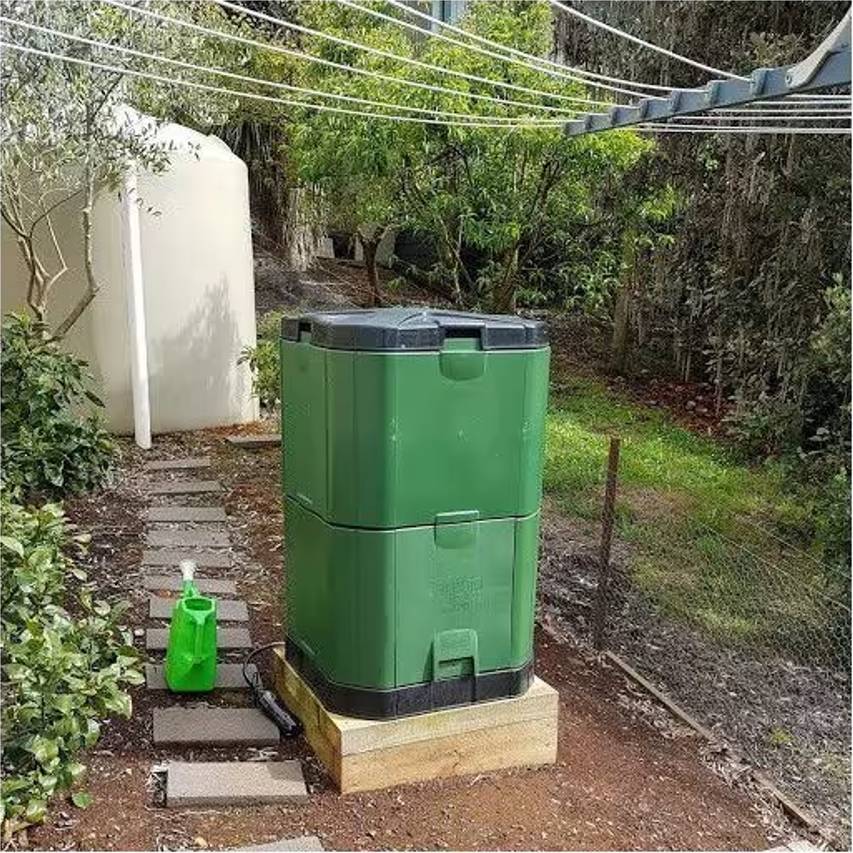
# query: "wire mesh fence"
{"points": [[747, 632]]}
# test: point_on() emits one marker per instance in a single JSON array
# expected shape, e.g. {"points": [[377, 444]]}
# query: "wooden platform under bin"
{"points": [[362, 755]]}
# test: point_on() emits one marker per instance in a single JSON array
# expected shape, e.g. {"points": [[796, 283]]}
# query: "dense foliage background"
{"points": [[753, 291]]}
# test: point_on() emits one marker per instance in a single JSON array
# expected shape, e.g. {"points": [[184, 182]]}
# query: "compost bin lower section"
{"points": [[414, 699], [387, 623]]}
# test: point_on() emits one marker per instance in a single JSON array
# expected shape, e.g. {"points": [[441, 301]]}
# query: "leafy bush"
{"points": [[65, 661], [49, 446], [263, 361]]}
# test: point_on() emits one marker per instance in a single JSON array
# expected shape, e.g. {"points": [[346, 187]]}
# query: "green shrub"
{"points": [[65, 662], [263, 361], [49, 445]]}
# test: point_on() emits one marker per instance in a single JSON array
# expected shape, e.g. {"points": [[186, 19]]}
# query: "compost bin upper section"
{"points": [[406, 329]]}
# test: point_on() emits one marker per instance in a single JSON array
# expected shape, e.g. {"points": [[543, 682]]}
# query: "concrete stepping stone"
{"points": [[302, 843], [227, 610], [172, 557], [229, 676], [177, 464], [214, 727], [184, 513], [249, 442], [233, 783], [173, 583], [156, 639], [188, 538], [183, 487]]}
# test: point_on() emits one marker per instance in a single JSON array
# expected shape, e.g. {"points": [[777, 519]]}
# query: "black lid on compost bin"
{"points": [[382, 329]]}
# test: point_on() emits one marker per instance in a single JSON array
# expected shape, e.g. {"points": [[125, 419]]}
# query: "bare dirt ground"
{"points": [[626, 777], [741, 698], [328, 285]]}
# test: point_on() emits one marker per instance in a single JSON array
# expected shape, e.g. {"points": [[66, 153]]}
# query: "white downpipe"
{"points": [[135, 291]]}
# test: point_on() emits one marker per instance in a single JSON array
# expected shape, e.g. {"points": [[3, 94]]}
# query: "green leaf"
{"points": [[35, 811], [75, 770], [93, 732], [12, 545], [44, 749], [81, 799]]}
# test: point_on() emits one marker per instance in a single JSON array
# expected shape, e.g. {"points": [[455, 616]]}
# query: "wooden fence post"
{"points": [[600, 612]]}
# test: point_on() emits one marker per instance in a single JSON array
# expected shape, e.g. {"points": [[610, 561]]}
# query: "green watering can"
{"points": [[191, 654]]}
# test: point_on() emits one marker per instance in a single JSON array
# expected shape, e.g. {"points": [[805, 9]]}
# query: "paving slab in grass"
{"points": [[214, 727], [177, 464], [233, 783], [184, 513], [173, 557], [173, 583], [250, 442], [156, 639], [227, 609], [302, 843], [182, 487], [229, 676], [188, 538]]}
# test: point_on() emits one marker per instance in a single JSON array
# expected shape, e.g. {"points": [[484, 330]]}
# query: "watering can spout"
{"points": [[187, 568]]}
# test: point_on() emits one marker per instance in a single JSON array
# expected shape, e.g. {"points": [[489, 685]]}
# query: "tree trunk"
{"points": [[92, 284], [301, 235], [620, 343], [504, 293], [369, 247]]}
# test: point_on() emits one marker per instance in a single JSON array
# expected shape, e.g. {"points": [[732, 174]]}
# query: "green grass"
{"points": [[687, 508], [657, 457]]}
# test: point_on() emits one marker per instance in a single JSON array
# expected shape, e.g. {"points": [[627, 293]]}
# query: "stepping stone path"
{"points": [[227, 610], [202, 783], [177, 464], [214, 727], [173, 583], [188, 722], [156, 639], [173, 557], [185, 513], [303, 843], [183, 487], [229, 676], [188, 538], [251, 442]]}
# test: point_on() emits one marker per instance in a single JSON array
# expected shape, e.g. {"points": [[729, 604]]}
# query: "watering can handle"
{"points": [[197, 649]]}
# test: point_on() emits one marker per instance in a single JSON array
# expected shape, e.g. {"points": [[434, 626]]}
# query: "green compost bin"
{"points": [[412, 474]]}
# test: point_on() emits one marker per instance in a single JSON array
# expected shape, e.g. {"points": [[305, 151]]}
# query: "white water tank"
{"points": [[198, 281]]}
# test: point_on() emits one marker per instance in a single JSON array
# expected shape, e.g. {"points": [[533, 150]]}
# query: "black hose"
{"points": [[265, 699]]}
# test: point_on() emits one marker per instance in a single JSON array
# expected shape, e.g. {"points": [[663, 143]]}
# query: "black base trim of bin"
{"points": [[412, 699]]}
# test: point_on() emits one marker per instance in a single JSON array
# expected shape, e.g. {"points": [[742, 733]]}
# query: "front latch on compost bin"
{"points": [[454, 654], [462, 358]]}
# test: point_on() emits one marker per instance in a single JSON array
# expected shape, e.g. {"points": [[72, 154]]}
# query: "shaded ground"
{"points": [[328, 285], [623, 780]]}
